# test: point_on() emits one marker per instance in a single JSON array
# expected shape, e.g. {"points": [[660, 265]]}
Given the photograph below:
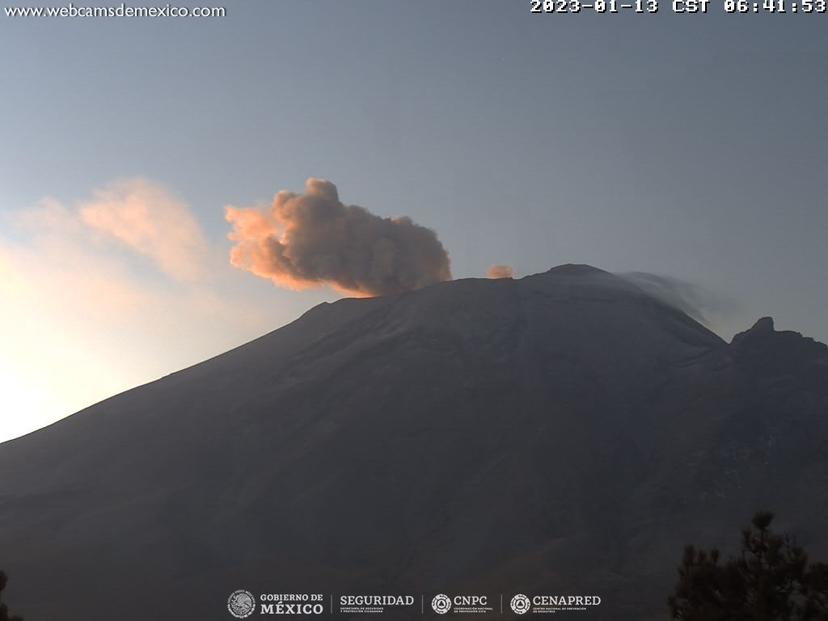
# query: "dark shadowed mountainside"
{"points": [[561, 433]]}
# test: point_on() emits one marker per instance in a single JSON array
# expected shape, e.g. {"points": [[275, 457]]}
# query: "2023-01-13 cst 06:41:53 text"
{"points": [[679, 6]]}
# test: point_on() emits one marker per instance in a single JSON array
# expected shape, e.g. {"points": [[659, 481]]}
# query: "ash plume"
{"points": [[500, 271], [312, 239]]}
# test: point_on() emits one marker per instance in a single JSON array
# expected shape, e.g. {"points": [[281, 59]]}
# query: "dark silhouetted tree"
{"points": [[770, 580], [4, 611]]}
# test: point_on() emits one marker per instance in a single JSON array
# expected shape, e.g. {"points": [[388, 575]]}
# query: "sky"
{"points": [[690, 146]]}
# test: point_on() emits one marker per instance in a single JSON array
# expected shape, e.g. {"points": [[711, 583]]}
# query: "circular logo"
{"points": [[520, 604], [441, 604], [241, 604]]}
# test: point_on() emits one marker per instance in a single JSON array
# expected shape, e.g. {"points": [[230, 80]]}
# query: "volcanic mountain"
{"points": [[562, 433]]}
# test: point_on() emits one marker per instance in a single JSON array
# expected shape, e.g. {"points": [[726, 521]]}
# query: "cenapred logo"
{"points": [[441, 604], [550, 604], [241, 604], [520, 604]]}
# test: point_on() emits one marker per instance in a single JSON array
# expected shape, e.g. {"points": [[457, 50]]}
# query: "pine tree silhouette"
{"points": [[4, 611], [770, 580]]}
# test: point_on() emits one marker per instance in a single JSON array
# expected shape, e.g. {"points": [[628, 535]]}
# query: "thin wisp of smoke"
{"points": [[700, 303]]}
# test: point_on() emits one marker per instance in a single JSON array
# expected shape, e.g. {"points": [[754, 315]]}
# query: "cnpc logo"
{"points": [[442, 603]]}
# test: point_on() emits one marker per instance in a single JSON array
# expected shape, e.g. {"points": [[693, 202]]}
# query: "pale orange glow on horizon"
{"points": [[149, 220], [80, 320]]}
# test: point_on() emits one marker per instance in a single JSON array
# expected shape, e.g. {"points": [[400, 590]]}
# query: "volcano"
{"points": [[566, 432]]}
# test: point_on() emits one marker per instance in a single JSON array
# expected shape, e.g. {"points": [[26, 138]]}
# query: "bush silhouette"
{"points": [[770, 580], [4, 611]]}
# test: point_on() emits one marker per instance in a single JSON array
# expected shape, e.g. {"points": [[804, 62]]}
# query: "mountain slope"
{"points": [[562, 432]]}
